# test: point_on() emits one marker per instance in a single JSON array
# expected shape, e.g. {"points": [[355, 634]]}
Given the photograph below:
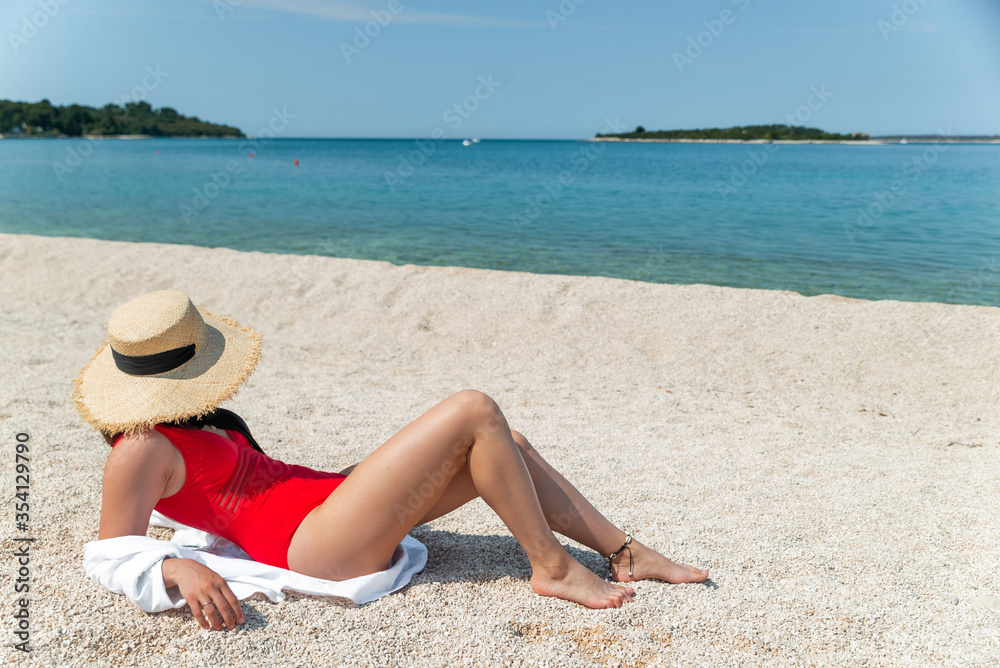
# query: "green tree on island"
{"points": [[42, 119]]}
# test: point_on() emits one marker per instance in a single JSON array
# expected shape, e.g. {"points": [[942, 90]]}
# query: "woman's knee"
{"points": [[522, 442], [477, 407]]}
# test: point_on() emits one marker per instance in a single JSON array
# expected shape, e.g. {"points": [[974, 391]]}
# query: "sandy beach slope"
{"points": [[834, 462]]}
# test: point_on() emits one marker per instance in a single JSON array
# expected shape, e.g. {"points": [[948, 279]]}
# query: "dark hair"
{"points": [[182, 424], [220, 418]]}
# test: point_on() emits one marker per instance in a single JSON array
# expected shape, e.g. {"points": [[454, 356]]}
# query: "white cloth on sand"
{"points": [[130, 565]]}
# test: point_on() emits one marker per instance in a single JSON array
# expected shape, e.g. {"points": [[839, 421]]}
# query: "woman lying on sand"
{"points": [[153, 391]]}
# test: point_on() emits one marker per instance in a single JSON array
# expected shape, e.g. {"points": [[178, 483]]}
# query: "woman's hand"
{"points": [[212, 601]]}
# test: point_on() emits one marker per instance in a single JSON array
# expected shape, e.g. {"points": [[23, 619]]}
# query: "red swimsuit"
{"points": [[233, 491]]}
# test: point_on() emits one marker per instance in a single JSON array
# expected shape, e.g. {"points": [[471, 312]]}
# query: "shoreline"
{"points": [[848, 142], [828, 459], [877, 297]]}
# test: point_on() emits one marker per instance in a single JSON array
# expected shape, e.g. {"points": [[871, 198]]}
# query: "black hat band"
{"points": [[148, 365]]}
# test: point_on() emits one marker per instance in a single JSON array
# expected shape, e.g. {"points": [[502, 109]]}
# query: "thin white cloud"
{"points": [[352, 12]]}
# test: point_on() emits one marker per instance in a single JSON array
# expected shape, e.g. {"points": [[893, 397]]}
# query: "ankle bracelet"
{"points": [[628, 539]]}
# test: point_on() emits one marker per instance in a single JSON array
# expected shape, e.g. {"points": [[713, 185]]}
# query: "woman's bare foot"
{"points": [[572, 581], [648, 564]]}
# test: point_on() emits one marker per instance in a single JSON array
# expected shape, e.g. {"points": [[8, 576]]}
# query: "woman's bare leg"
{"points": [[356, 530], [571, 514]]}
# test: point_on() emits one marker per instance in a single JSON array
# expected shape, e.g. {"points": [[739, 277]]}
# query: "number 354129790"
{"points": [[22, 480]]}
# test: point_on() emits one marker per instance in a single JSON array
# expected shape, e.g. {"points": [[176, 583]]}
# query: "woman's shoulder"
{"points": [[147, 448], [145, 441]]}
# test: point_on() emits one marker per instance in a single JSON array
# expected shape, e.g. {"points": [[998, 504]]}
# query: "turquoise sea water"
{"points": [[915, 222]]}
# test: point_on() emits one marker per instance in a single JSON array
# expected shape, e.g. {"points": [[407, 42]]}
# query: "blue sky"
{"points": [[553, 68]]}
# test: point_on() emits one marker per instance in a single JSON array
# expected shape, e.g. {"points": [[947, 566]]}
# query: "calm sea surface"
{"points": [[915, 222]]}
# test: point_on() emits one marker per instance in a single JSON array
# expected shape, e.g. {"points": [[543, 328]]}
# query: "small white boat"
{"points": [[903, 141], [466, 142], [476, 140]]}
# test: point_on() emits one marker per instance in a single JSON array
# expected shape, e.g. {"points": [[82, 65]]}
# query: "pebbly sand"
{"points": [[834, 462]]}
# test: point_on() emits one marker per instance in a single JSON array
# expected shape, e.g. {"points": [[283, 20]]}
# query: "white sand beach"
{"points": [[834, 462]]}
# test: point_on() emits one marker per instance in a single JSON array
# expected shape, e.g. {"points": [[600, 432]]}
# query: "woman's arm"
{"points": [[135, 478]]}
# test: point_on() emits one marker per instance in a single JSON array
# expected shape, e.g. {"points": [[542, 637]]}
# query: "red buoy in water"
{"points": [[251, 155], [157, 151], [296, 162]]}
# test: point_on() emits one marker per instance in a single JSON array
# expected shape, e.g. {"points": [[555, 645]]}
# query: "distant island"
{"points": [[42, 119], [738, 133], [786, 134]]}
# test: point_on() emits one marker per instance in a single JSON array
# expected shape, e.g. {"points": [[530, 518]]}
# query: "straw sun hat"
{"points": [[165, 360]]}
